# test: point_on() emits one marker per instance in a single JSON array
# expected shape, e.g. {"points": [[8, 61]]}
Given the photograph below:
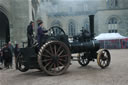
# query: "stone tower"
{"points": [[15, 15]]}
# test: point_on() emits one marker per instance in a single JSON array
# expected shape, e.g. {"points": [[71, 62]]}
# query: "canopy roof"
{"points": [[109, 36]]}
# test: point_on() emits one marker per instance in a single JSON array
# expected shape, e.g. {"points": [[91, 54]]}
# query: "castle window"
{"points": [[112, 3], [112, 25], [116, 3], [71, 29]]}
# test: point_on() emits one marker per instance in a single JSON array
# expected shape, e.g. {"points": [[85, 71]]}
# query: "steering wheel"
{"points": [[55, 31]]}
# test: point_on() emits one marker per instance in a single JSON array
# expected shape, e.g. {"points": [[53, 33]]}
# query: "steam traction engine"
{"points": [[54, 55]]}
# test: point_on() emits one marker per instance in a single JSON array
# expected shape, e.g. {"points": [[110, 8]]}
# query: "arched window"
{"points": [[112, 3], [71, 29], [112, 25]]}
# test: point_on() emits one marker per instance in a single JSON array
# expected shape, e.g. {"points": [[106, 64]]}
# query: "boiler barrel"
{"points": [[78, 47]]}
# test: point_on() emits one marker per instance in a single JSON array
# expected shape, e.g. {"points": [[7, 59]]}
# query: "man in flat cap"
{"points": [[41, 33]]}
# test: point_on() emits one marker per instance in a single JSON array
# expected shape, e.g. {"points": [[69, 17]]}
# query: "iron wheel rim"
{"points": [[83, 61], [103, 58], [54, 58]]}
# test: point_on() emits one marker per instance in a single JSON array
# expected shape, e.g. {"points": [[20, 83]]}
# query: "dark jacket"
{"points": [[7, 52], [40, 33], [30, 30], [16, 51]]}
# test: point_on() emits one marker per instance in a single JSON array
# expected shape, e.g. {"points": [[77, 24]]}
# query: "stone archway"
{"points": [[4, 28]]}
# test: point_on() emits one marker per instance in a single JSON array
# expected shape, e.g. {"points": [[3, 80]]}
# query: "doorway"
{"points": [[4, 29]]}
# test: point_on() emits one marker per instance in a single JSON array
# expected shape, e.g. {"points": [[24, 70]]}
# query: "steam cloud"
{"points": [[68, 6]]}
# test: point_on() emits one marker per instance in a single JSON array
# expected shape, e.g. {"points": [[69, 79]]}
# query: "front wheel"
{"points": [[103, 58]]}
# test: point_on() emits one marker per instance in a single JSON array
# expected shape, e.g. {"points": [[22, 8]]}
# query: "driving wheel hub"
{"points": [[55, 59]]}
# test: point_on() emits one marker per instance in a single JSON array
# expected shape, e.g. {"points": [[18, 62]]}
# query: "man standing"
{"points": [[10, 46], [30, 33], [41, 33], [1, 58], [7, 55], [16, 52]]}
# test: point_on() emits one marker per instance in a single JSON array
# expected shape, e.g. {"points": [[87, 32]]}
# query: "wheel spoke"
{"points": [[55, 68], [46, 60], [101, 62], [105, 54], [61, 64], [83, 61], [48, 52], [104, 63], [47, 64], [51, 49], [58, 66], [60, 53], [58, 49], [55, 49], [50, 67], [64, 56], [62, 60]]}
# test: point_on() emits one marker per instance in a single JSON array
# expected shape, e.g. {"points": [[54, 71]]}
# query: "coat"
{"points": [[6, 53], [30, 30], [40, 34]]}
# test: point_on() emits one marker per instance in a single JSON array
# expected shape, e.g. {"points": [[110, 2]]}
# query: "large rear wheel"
{"points": [[54, 58]]}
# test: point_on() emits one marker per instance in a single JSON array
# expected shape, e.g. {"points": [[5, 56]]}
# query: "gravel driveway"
{"points": [[115, 74]]}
